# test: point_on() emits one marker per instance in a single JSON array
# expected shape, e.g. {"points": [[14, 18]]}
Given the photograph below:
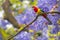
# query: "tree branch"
{"points": [[8, 14], [52, 12], [26, 27]]}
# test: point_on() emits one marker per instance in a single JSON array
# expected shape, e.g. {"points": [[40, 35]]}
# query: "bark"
{"points": [[8, 14]]}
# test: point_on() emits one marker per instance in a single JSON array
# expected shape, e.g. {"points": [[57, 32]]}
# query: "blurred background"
{"points": [[24, 14]]}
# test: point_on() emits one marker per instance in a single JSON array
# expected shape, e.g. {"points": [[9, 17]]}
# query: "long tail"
{"points": [[45, 16]]}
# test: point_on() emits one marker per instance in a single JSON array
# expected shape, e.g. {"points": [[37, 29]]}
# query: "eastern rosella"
{"points": [[40, 12]]}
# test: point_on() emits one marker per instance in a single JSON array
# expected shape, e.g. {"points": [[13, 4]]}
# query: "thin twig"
{"points": [[26, 27], [52, 12]]}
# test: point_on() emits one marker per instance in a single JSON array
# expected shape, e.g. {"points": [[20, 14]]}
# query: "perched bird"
{"points": [[40, 12]]}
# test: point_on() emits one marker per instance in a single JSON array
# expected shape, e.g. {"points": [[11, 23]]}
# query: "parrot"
{"points": [[40, 12]]}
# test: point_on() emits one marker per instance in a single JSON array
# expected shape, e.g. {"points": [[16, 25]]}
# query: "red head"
{"points": [[35, 8]]}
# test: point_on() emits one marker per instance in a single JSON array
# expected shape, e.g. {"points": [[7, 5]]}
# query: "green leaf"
{"points": [[4, 34], [34, 2], [15, 1], [11, 31]]}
